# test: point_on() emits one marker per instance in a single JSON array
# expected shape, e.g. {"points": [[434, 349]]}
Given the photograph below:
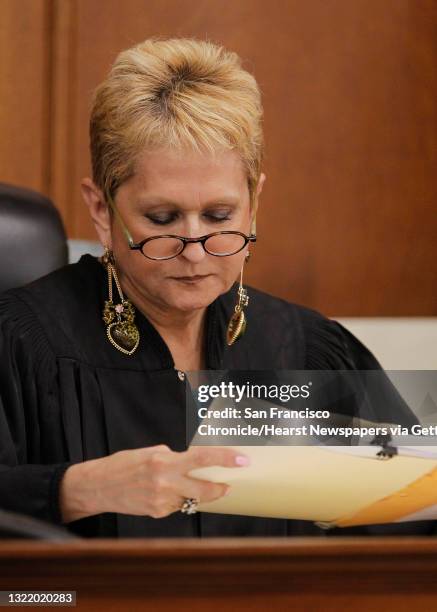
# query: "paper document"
{"points": [[341, 485]]}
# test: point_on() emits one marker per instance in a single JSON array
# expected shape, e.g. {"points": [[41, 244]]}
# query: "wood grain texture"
{"points": [[233, 573], [64, 187], [24, 93]]}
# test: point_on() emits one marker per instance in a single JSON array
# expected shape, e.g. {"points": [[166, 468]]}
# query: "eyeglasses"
{"points": [[167, 246], [219, 244]]}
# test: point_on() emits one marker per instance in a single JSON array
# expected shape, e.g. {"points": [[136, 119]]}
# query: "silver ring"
{"points": [[189, 506]]}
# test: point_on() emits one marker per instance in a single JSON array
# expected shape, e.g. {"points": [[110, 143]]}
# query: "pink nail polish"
{"points": [[242, 460]]}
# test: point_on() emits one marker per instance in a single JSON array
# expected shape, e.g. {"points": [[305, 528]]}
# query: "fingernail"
{"points": [[228, 490], [242, 460]]}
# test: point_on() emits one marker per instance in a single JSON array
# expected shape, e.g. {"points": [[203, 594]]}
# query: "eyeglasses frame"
{"points": [[138, 246], [185, 241]]}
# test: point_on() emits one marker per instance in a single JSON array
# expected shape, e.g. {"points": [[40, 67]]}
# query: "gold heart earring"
{"points": [[121, 330], [237, 324]]}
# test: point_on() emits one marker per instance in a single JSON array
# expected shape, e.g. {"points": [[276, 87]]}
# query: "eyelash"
{"points": [[172, 218]]}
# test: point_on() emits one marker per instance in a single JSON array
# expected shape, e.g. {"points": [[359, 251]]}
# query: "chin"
{"points": [[193, 298]]}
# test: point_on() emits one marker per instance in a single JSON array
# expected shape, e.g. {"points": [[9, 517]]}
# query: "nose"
{"points": [[193, 252]]}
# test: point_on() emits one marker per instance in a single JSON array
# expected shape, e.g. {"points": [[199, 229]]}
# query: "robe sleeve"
{"points": [[330, 346], [28, 483], [371, 394]]}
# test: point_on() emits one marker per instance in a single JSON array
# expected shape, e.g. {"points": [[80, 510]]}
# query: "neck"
{"points": [[185, 328]]}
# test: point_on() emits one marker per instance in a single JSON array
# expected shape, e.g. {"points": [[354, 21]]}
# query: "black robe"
{"points": [[67, 395]]}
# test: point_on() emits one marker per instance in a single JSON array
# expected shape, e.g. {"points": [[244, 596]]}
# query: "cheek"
{"points": [[147, 273], [133, 264], [229, 268]]}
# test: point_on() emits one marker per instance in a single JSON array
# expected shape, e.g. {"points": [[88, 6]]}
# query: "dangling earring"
{"points": [[121, 329], [237, 324]]}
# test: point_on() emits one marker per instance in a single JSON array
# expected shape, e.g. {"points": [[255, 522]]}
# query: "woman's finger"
{"points": [[206, 456], [203, 490]]}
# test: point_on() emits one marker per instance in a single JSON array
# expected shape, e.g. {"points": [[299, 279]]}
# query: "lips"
{"points": [[191, 279]]}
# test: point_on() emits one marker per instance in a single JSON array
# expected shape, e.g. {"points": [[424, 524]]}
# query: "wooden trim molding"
{"points": [[299, 569]]}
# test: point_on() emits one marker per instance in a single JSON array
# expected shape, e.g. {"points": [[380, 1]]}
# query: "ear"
{"points": [[259, 188], [93, 198]]}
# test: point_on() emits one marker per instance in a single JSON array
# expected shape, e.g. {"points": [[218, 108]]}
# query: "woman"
{"points": [[93, 356]]}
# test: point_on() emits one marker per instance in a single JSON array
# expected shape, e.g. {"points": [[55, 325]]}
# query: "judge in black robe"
{"points": [[67, 396]]}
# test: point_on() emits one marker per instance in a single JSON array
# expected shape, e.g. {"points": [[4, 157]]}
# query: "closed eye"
{"points": [[165, 219], [162, 219], [217, 218]]}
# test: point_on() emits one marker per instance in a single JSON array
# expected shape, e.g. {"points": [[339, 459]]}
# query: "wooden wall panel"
{"points": [[25, 32], [348, 220], [64, 125]]}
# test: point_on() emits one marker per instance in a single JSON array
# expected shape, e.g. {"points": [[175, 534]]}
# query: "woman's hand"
{"points": [[150, 481]]}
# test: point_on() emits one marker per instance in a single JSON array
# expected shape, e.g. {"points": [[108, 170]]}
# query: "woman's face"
{"points": [[188, 194]]}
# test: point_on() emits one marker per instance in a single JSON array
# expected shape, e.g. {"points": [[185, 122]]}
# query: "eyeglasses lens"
{"points": [[224, 244], [162, 248]]}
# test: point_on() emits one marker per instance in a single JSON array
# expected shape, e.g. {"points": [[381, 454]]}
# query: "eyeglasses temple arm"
{"points": [[120, 220], [253, 227]]}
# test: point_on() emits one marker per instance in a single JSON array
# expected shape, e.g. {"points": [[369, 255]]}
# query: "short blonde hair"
{"points": [[175, 93]]}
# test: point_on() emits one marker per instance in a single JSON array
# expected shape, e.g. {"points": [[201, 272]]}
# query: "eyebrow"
{"points": [[157, 201]]}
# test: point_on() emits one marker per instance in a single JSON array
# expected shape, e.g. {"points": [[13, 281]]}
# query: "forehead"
{"points": [[189, 174]]}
